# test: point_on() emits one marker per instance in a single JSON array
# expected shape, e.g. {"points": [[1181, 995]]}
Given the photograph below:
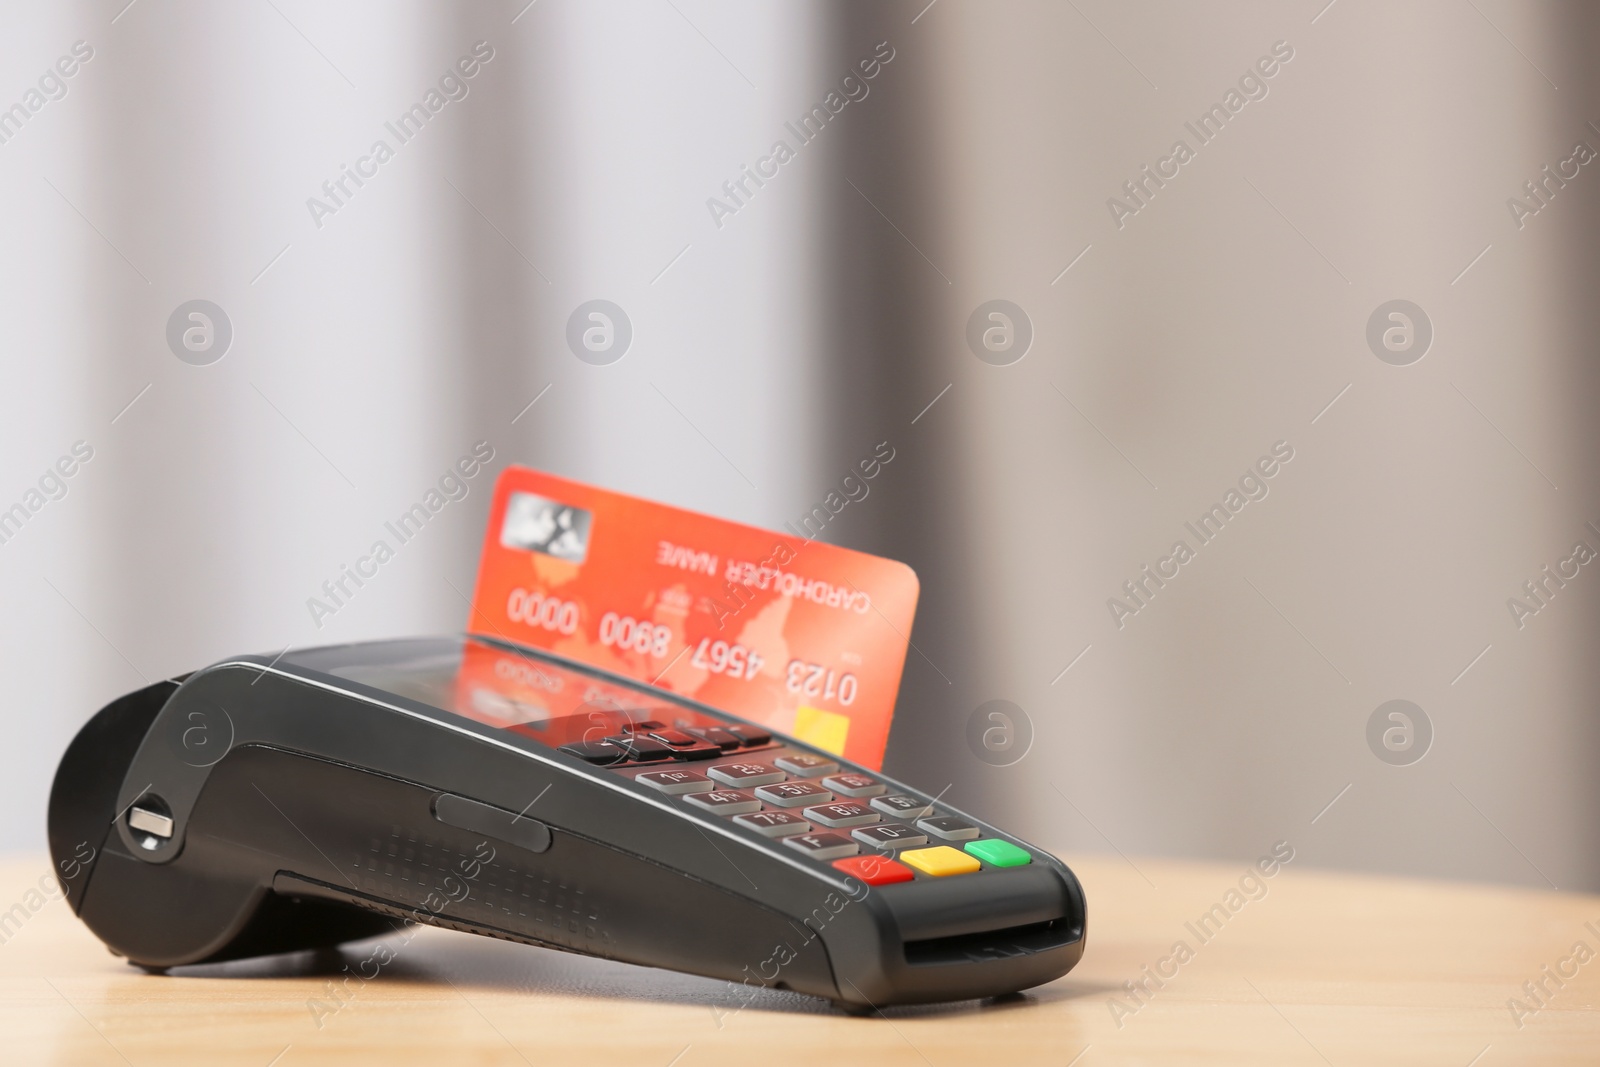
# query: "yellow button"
{"points": [[940, 861]]}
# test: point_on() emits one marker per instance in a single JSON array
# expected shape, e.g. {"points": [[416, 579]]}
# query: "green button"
{"points": [[998, 853]]}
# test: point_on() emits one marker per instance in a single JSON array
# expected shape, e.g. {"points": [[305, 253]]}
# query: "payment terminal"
{"points": [[264, 805]]}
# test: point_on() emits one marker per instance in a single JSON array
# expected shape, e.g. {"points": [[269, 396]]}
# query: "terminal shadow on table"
{"points": [[459, 964]]}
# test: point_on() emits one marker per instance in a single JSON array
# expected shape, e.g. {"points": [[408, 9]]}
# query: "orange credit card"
{"points": [[803, 637]]}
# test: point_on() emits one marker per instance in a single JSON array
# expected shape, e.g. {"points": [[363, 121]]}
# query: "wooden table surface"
{"points": [[1320, 968]]}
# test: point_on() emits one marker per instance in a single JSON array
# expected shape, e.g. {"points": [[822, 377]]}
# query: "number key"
{"points": [[901, 806], [806, 766], [724, 802], [674, 783], [855, 785], [793, 794], [836, 816], [746, 774], [889, 836], [773, 823]]}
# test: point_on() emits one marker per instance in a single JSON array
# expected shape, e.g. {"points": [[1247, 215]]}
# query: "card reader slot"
{"points": [[1008, 943]]}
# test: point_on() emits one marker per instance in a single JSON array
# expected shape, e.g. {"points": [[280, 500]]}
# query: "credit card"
{"points": [[803, 637]]}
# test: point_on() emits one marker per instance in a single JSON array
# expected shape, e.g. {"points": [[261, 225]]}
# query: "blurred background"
{"points": [[1169, 319]]}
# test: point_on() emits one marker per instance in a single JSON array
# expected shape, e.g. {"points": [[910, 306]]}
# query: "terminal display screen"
{"points": [[503, 686]]}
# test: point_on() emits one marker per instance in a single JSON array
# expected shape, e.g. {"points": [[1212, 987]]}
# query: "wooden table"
{"points": [[1322, 969]]}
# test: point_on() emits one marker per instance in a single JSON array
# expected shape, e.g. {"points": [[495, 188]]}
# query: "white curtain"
{"points": [[382, 327]]}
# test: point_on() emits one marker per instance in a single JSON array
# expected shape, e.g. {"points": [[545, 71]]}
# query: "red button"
{"points": [[875, 870]]}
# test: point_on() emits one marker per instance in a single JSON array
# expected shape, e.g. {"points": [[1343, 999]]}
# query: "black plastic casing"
{"points": [[313, 811]]}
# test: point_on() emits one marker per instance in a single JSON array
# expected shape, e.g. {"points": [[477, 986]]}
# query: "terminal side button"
{"points": [[466, 814]]}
